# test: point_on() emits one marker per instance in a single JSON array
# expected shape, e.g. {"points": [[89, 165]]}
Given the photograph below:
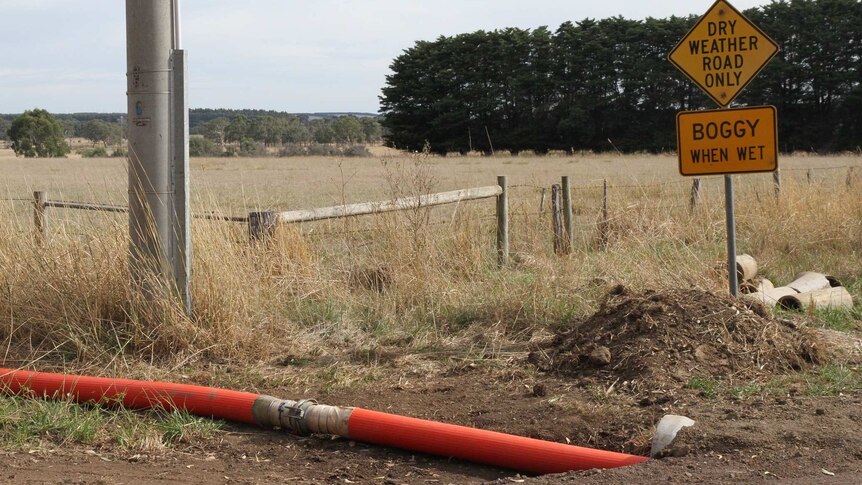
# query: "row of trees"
{"points": [[38, 133], [273, 130], [606, 84]]}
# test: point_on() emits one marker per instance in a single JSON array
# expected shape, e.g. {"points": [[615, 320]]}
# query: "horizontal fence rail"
{"points": [[62, 204], [262, 225], [84, 206], [405, 203]]}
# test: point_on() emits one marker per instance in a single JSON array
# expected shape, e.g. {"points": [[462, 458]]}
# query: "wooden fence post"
{"points": [[851, 177], [810, 176], [776, 180], [604, 226], [568, 219], [40, 203], [503, 222], [556, 219], [261, 225], [694, 198]]}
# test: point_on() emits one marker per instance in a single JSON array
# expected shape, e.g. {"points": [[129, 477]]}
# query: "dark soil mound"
{"points": [[657, 341]]}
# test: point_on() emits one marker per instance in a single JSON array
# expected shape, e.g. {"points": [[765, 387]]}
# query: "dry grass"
{"points": [[417, 281]]}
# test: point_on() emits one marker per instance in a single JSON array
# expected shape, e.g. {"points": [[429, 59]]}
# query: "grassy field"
{"points": [[409, 313], [242, 184], [423, 280]]}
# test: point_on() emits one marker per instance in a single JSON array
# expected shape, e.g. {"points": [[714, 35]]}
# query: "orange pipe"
{"points": [[480, 446], [202, 401]]}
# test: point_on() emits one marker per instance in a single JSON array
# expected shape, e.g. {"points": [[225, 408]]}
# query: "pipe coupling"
{"points": [[302, 417]]}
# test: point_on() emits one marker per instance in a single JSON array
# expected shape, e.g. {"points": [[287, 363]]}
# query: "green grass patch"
{"points": [[28, 424], [706, 386], [832, 380], [374, 322], [777, 386], [829, 380], [841, 320], [182, 427], [748, 390], [314, 312]]}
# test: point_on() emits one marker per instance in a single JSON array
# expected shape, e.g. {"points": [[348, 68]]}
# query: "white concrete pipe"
{"points": [[746, 268], [758, 287], [837, 298], [810, 281], [771, 296]]}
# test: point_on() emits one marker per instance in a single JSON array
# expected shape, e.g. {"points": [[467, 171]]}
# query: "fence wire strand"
{"points": [[753, 188]]}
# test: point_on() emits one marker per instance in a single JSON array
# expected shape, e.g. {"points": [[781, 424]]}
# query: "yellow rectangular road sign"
{"points": [[725, 141], [723, 52]]}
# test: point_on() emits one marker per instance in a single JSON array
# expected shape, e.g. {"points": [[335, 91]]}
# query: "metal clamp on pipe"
{"points": [[293, 414], [278, 413]]}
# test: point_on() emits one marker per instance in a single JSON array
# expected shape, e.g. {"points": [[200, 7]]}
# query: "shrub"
{"points": [[322, 150], [356, 151], [98, 152], [250, 148], [203, 147], [292, 150]]}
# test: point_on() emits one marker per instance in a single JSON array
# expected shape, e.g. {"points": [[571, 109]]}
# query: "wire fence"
{"points": [[593, 207]]}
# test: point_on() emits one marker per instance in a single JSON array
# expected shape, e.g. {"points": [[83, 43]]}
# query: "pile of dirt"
{"points": [[661, 340]]}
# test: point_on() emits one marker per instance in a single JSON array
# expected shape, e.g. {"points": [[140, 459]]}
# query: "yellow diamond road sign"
{"points": [[723, 52]]}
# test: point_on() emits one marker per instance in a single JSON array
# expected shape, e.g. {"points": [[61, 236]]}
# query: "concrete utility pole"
{"points": [[160, 254]]}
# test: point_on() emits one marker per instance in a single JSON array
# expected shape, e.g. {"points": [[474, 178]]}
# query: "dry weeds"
{"points": [[413, 282]]}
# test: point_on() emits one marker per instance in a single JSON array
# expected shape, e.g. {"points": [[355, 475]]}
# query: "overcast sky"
{"points": [[288, 55]]}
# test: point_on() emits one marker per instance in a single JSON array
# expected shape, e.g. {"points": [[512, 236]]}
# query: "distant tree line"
{"points": [[293, 135], [199, 116], [285, 128], [230, 132], [606, 84]]}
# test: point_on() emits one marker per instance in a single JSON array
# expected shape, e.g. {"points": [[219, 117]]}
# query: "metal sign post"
{"points": [[731, 235], [721, 54]]}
